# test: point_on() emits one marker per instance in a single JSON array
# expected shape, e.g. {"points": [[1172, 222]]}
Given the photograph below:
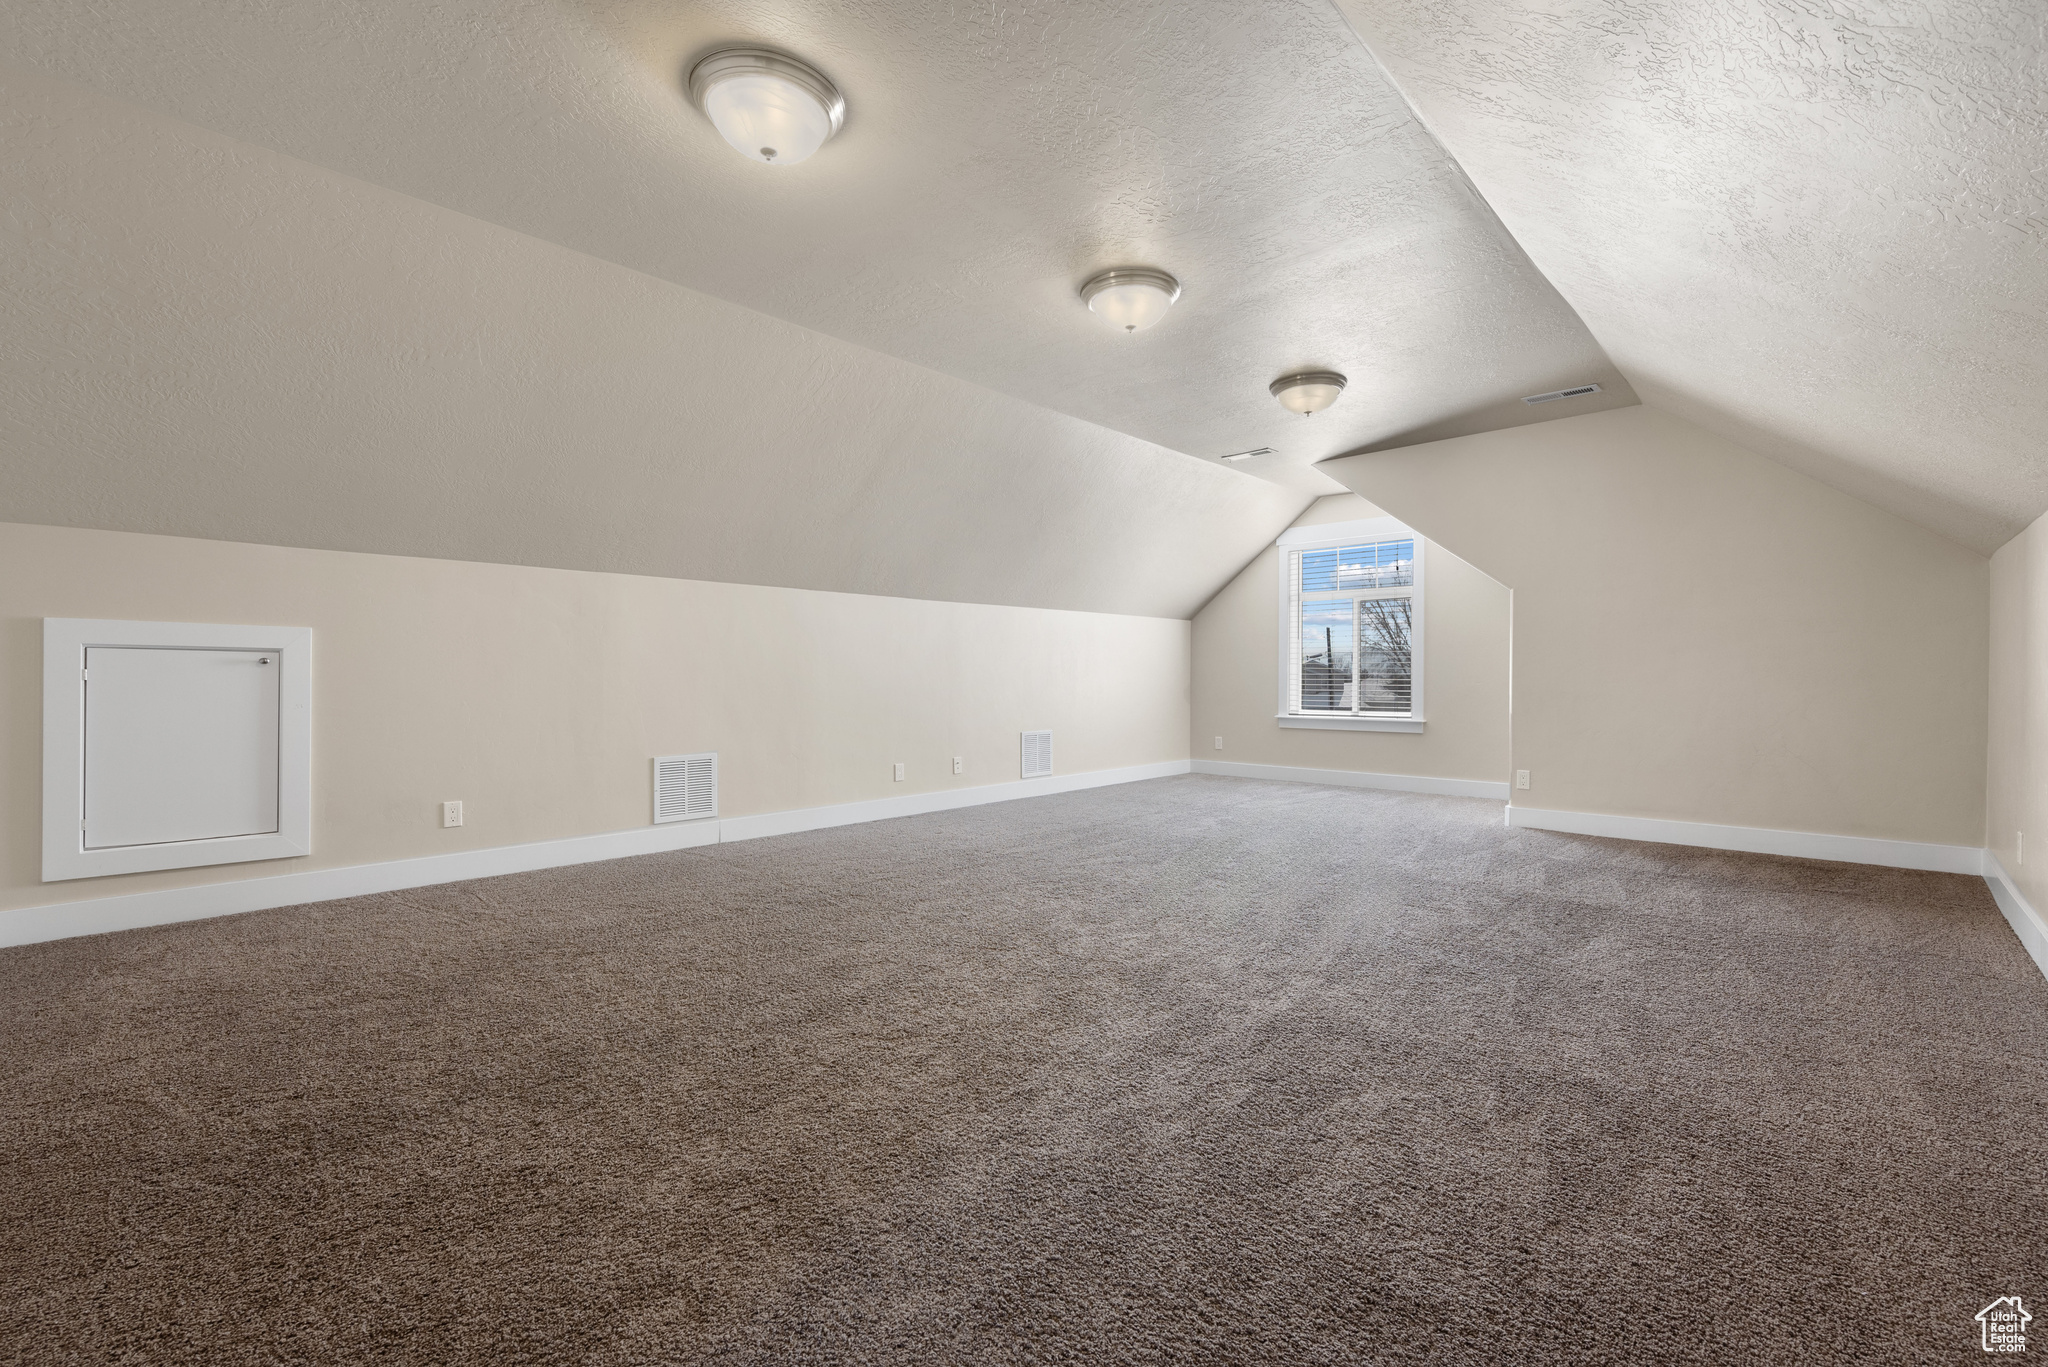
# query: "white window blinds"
{"points": [[1353, 629]]}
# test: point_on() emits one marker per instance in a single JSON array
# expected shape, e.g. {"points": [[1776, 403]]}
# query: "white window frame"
{"points": [[65, 641], [1336, 535]]}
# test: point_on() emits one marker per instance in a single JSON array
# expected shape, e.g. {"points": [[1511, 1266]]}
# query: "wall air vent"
{"points": [[1247, 455], [1037, 754], [685, 787], [1574, 392]]}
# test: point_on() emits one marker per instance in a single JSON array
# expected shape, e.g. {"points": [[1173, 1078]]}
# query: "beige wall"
{"points": [[1703, 635], [1465, 673], [538, 696], [2017, 756]]}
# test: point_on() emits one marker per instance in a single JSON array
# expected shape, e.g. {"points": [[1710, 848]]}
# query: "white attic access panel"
{"points": [[169, 745]]}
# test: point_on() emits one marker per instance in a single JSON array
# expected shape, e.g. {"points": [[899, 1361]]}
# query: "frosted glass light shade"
{"points": [[769, 107], [1131, 299], [1308, 393]]}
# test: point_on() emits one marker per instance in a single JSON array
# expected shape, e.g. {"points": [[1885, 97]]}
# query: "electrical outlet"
{"points": [[1219, 742], [899, 773], [959, 765], [451, 814], [1521, 778]]}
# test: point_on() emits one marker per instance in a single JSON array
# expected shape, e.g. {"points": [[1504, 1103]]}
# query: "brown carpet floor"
{"points": [[1192, 1071]]}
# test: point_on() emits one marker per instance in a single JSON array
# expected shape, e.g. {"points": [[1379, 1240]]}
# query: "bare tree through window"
{"points": [[1354, 615], [1386, 629]]}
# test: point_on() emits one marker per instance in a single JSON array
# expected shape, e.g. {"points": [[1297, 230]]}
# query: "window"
{"points": [[1351, 623]]}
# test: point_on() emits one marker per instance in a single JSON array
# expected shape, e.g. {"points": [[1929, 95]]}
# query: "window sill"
{"points": [[1412, 725]]}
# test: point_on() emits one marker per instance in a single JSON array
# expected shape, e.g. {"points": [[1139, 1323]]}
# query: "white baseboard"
{"points": [[96, 915], [1352, 778], [1846, 849], [93, 916], [2026, 922], [917, 804]]}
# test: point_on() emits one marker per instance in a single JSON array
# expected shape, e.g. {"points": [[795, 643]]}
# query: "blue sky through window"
{"points": [[1382, 564], [1326, 631]]}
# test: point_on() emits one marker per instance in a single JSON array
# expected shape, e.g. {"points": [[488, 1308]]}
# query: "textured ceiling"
{"points": [[209, 339], [994, 156], [1820, 228]]}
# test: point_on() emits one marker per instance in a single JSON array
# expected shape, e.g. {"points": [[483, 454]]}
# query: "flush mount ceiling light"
{"points": [[1309, 392], [1131, 299], [768, 105]]}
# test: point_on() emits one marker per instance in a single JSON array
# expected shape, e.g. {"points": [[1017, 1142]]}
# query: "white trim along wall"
{"points": [[2027, 923], [1351, 778], [1844, 849], [31, 925], [94, 916]]}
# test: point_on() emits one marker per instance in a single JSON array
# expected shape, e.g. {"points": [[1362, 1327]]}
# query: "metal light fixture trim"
{"points": [[1307, 392], [761, 66], [1131, 297]]}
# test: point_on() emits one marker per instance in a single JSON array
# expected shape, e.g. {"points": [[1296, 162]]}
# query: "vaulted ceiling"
{"points": [[994, 157], [205, 338], [1818, 228], [1819, 233]]}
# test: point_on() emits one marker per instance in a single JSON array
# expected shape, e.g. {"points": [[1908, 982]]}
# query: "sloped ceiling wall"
{"points": [[995, 156], [1816, 232], [210, 339], [1819, 229], [1701, 634]]}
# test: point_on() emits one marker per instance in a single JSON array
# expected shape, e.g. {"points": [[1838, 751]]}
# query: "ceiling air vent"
{"points": [[685, 787], [1037, 754], [1247, 455], [1574, 392]]}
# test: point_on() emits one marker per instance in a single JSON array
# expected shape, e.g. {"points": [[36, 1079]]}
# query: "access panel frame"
{"points": [[65, 641]]}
